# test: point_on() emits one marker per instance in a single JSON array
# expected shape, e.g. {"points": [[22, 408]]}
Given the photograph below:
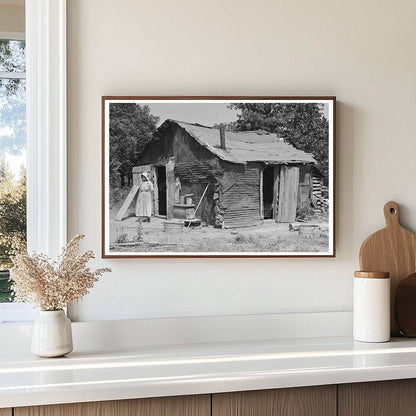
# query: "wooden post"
{"points": [[222, 137], [311, 184], [261, 194], [170, 187], [156, 191], [276, 176]]}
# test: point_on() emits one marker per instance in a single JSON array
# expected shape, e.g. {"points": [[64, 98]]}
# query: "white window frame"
{"points": [[14, 312], [46, 127]]}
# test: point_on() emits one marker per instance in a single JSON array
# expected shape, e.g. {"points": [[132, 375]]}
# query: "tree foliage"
{"points": [[131, 128], [12, 213], [12, 97], [302, 125], [12, 56]]}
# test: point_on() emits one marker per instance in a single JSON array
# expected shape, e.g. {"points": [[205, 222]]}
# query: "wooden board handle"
{"points": [[391, 214]]}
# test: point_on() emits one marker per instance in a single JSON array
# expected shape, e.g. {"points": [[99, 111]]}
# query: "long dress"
{"points": [[144, 200]]}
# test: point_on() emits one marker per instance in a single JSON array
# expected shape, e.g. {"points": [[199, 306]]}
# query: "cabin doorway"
{"points": [[161, 190], [268, 192]]}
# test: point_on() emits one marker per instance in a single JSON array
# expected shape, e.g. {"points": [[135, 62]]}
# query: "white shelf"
{"points": [[151, 371]]}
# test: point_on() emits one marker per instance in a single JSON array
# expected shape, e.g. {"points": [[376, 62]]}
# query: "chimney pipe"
{"points": [[222, 137]]}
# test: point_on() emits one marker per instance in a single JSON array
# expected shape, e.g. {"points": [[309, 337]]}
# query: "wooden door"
{"points": [[288, 193], [301, 401], [6, 412], [138, 170], [161, 406], [381, 398]]}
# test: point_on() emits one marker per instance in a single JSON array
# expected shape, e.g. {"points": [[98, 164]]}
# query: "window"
{"points": [[45, 27], [45, 90], [12, 153]]}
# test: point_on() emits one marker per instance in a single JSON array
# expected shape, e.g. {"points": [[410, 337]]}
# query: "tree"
{"points": [[12, 213], [302, 125], [131, 128], [6, 176], [12, 56]]}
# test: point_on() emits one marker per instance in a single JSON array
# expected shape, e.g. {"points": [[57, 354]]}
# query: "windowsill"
{"points": [[16, 313]]}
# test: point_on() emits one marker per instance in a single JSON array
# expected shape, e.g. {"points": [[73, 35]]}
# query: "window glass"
{"points": [[12, 156], [12, 56]]}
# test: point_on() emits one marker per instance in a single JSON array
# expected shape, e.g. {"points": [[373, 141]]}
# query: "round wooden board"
{"points": [[405, 306]]}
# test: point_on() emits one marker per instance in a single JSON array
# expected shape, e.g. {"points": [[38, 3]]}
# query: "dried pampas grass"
{"points": [[53, 285]]}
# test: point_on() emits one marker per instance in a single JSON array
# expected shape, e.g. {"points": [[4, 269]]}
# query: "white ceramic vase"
{"points": [[52, 334]]}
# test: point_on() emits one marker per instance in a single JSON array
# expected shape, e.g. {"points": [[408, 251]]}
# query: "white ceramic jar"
{"points": [[371, 313], [52, 334]]}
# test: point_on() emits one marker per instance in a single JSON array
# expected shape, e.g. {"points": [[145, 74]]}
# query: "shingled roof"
{"points": [[244, 146]]}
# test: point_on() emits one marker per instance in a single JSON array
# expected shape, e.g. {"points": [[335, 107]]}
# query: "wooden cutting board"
{"points": [[393, 250]]}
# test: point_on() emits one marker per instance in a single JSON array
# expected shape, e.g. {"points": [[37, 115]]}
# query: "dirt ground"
{"points": [[268, 237]]}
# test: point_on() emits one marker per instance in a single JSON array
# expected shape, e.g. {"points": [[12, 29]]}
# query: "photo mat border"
{"points": [[105, 100]]}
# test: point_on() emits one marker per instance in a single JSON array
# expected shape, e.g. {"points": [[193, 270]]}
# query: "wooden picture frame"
{"points": [[246, 175]]}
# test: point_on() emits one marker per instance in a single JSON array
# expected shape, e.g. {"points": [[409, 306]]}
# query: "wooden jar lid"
{"points": [[372, 275]]}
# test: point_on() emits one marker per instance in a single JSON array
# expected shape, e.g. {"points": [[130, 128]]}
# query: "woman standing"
{"points": [[145, 198]]}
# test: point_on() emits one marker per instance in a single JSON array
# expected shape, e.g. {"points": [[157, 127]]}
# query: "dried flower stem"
{"points": [[53, 285]]}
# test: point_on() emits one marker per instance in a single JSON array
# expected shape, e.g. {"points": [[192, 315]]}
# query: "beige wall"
{"points": [[361, 51], [12, 18]]}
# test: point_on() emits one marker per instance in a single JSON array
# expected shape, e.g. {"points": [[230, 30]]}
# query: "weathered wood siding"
{"points": [[197, 167], [159, 150], [240, 196], [288, 193], [237, 187], [192, 163]]}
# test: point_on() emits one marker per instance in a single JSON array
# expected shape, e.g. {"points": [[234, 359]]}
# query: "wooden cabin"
{"points": [[251, 175]]}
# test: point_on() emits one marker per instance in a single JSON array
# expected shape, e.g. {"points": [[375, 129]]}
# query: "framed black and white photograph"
{"points": [[218, 176]]}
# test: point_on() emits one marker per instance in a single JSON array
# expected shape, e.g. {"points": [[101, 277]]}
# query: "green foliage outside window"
{"points": [[12, 148]]}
